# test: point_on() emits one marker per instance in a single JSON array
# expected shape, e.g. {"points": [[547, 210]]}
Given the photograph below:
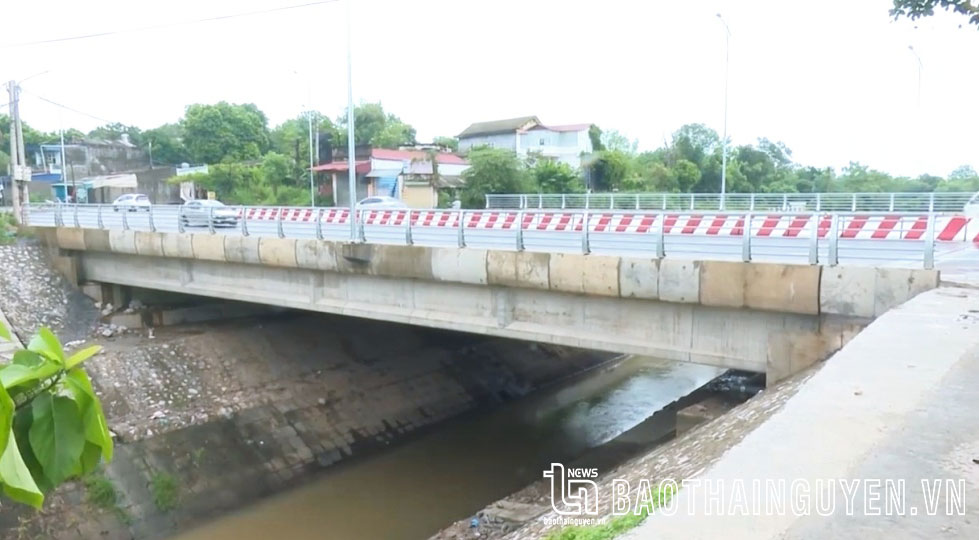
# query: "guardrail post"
{"points": [[853, 202], [664, 202], [692, 201], [540, 201], [360, 226], [585, 235], [637, 201], [834, 240], [319, 223], [520, 231], [814, 239], [210, 220], [611, 201], [587, 200], [819, 202], [125, 219], [152, 223], [931, 202], [244, 221], [488, 200], [278, 223], [564, 203], [408, 239], [785, 202], [661, 236], [930, 243], [746, 239], [77, 224], [180, 219], [462, 228], [891, 205], [751, 203], [57, 215]]}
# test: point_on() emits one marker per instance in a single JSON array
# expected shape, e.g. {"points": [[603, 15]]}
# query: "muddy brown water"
{"points": [[414, 489]]}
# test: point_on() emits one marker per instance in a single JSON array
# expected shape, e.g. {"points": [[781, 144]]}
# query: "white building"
{"points": [[527, 135]]}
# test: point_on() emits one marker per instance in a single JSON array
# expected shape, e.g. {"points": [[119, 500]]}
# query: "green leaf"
{"points": [[81, 356], [57, 435], [17, 373], [23, 419], [7, 409], [18, 483], [27, 358], [47, 344], [4, 332], [96, 428]]}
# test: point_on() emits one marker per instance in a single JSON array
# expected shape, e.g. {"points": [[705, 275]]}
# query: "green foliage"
{"points": [[613, 140], [915, 9], [167, 144], [291, 139], [52, 426], [618, 524], [373, 126], [268, 183], [492, 170], [115, 131], [609, 170], [8, 230], [165, 490], [100, 491], [451, 143], [595, 135], [225, 132], [555, 177]]}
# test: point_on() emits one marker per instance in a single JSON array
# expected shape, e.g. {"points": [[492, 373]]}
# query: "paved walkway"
{"points": [[898, 402], [6, 347]]}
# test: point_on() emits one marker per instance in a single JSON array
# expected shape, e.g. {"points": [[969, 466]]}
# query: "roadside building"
{"points": [[416, 176], [527, 135]]}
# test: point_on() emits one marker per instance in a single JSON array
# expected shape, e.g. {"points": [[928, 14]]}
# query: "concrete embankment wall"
{"points": [[773, 318]]}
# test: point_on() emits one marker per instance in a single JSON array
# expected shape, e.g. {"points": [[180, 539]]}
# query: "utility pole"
{"points": [[727, 63], [921, 65], [19, 194], [351, 146]]}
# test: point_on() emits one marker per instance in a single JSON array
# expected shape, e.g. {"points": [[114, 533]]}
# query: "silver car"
{"points": [[381, 202], [201, 213], [131, 202]]}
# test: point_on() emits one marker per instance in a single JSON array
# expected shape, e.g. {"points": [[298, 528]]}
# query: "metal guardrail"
{"points": [[812, 238], [750, 202]]}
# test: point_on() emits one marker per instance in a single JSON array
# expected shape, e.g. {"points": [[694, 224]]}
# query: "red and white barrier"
{"points": [[948, 228]]}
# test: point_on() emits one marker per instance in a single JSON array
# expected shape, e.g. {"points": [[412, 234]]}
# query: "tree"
{"points": [[555, 177], [452, 143], [225, 132], [915, 9], [115, 131], [595, 135], [609, 170], [167, 145], [373, 126], [613, 140], [52, 427], [491, 170], [291, 138]]}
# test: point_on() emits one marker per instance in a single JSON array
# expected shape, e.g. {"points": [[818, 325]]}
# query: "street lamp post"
{"points": [[351, 146], [309, 120], [727, 59], [920, 66]]}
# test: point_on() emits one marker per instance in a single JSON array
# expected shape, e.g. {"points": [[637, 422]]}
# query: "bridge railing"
{"points": [[813, 237], [752, 202]]}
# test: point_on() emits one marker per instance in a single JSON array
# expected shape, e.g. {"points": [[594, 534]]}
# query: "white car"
{"points": [[202, 212], [381, 202], [131, 202]]}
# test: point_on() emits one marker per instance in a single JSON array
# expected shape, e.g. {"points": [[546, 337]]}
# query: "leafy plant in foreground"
{"points": [[52, 427]]}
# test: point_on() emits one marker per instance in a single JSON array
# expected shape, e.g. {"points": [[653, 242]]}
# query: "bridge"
{"points": [[589, 284]]}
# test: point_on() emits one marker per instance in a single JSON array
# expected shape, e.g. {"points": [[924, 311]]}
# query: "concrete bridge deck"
{"points": [[770, 318]]}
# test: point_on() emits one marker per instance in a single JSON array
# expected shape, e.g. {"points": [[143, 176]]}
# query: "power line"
{"points": [[72, 109], [165, 25]]}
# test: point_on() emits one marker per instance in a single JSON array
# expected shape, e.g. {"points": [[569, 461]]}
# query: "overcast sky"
{"points": [[833, 79]]}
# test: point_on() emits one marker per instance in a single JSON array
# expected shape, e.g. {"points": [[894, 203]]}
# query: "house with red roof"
{"points": [[527, 135], [416, 176]]}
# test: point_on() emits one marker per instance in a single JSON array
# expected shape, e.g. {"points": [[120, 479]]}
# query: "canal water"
{"points": [[414, 489]]}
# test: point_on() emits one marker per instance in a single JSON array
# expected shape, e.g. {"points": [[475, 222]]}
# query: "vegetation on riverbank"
{"points": [[617, 525]]}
